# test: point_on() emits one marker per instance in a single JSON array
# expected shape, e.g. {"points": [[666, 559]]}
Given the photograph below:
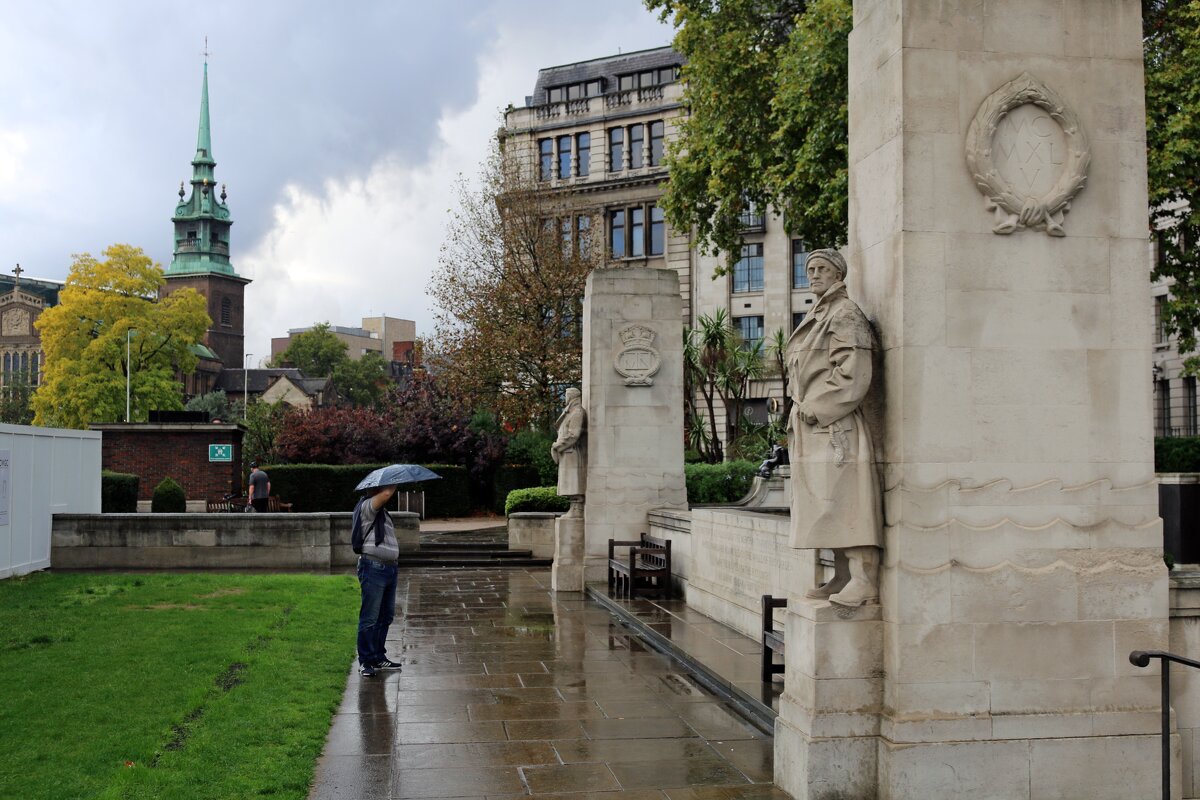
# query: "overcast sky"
{"points": [[338, 128]]}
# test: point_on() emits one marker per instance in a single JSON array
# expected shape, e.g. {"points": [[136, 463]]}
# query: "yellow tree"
{"points": [[509, 295], [104, 305]]}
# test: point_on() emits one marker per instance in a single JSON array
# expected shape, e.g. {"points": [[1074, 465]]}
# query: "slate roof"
{"points": [[608, 67], [233, 381]]}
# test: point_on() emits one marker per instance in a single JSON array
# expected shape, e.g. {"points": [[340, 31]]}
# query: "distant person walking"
{"points": [[260, 487], [377, 578]]}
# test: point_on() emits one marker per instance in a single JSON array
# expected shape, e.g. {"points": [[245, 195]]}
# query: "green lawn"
{"points": [[169, 686]]}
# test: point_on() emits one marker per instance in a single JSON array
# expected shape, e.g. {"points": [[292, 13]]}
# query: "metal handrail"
{"points": [[1141, 658]]}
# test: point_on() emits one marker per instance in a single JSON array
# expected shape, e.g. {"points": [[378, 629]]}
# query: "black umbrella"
{"points": [[396, 474]]}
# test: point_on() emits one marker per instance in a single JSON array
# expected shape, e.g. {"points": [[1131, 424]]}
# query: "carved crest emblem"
{"points": [[637, 361], [1028, 155], [15, 322]]}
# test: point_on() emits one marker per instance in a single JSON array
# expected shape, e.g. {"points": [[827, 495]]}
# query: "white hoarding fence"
{"points": [[43, 471]]}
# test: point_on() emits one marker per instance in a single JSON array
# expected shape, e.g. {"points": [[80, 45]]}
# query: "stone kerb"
{"points": [[633, 394]]}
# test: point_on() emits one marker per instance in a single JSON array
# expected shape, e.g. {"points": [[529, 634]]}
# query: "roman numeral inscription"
{"points": [[1029, 150]]}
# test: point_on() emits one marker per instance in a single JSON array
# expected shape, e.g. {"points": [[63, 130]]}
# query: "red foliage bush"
{"points": [[335, 436]]}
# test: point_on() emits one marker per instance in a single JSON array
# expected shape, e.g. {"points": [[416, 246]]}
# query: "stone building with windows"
{"points": [[1175, 402], [22, 301], [596, 132]]}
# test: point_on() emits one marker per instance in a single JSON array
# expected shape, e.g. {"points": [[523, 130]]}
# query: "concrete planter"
{"points": [[533, 531]]}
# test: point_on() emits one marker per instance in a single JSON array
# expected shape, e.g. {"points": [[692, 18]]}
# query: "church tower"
{"points": [[201, 254]]}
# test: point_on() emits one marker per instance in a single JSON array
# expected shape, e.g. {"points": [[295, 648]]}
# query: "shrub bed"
{"points": [[168, 498], [1177, 454], [719, 483], [537, 498], [330, 487], [118, 492]]}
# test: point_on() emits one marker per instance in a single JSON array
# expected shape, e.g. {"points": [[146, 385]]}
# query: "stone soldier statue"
{"points": [[836, 502], [570, 448]]}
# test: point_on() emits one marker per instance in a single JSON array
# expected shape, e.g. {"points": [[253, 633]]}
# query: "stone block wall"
{"points": [[533, 531], [211, 541]]}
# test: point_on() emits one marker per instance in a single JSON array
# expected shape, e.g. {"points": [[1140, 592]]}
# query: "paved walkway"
{"points": [[511, 691]]}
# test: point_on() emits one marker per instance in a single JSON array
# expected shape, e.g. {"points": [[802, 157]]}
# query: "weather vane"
{"points": [[206, 54]]}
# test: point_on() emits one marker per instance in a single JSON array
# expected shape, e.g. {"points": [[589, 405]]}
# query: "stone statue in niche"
{"points": [[836, 501], [570, 448]]}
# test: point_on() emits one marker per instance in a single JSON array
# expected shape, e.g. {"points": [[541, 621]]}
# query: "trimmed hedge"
{"points": [[511, 477], [1177, 454], [537, 498], [168, 498], [719, 483], [118, 492], [330, 487]]}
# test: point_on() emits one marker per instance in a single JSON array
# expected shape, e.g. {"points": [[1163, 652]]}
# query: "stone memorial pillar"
{"points": [[998, 241], [633, 395]]}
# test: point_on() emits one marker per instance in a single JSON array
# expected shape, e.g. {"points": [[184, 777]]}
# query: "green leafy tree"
{"points": [[508, 296], [216, 404], [84, 339], [766, 97], [1171, 38], [362, 382], [264, 422], [16, 400], [316, 352]]}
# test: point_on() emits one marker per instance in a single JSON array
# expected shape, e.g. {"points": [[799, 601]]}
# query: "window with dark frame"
{"points": [[799, 256], [637, 136], [616, 235], [1189, 406], [583, 152], [583, 236], [1162, 391], [1160, 326], [748, 269], [566, 229], [657, 231], [750, 329], [564, 156], [226, 311], [637, 231], [751, 218], [657, 133], [797, 318], [546, 151], [616, 149]]}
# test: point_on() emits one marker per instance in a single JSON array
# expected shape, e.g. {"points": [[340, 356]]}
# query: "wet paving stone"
{"points": [[509, 691]]}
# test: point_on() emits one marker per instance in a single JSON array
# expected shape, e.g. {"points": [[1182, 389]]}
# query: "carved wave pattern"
{"points": [[1090, 506]]}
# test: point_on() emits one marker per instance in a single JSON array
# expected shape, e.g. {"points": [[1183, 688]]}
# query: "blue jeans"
{"points": [[378, 582]]}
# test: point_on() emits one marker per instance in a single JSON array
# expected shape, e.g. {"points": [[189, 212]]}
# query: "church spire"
{"points": [[204, 136], [202, 219]]}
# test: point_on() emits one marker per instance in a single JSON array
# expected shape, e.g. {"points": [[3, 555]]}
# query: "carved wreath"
{"points": [[1015, 211]]}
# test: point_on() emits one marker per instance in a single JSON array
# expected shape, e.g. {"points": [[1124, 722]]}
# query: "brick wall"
{"points": [[154, 451]]}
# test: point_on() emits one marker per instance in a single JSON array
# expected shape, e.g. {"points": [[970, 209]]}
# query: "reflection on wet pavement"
{"points": [[511, 691]]}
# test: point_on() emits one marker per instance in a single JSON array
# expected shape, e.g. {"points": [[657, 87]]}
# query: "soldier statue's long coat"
{"points": [[571, 446], [835, 486]]}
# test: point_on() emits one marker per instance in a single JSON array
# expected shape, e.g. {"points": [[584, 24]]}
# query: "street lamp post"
{"points": [[245, 385], [128, 371]]}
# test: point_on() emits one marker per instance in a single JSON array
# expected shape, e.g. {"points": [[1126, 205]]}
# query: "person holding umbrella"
{"points": [[377, 568]]}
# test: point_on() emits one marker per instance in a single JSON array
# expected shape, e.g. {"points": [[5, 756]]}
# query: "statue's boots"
{"points": [[863, 586], [841, 576]]}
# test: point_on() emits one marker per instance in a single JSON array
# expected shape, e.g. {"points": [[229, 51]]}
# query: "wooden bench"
{"points": [[772, 639], [647, 566], [274, 504]]}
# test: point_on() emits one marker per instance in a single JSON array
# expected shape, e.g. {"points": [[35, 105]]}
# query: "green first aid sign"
{"points": [[220, 452]]}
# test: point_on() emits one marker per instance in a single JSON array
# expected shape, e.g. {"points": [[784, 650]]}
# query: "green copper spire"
{"points": [[204, 136], [202, 220]]}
